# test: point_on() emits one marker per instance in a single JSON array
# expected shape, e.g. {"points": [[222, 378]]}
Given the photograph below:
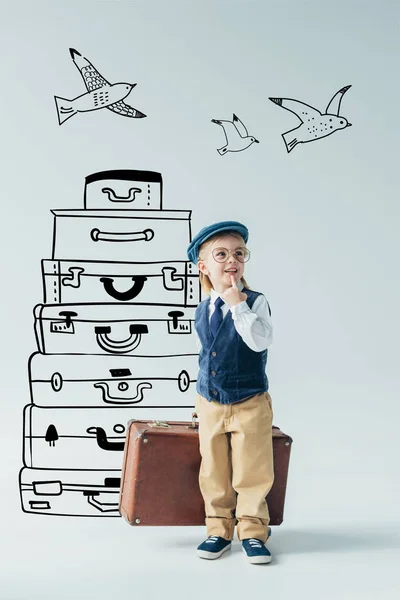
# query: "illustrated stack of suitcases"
{"points": [[115, 341]]}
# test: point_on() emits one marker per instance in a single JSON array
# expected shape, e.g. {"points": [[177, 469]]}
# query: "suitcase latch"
{"points": [[178, 326], [193, 424], [66, 326]]}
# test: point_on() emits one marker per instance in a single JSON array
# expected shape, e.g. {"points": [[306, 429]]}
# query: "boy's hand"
{"points": [[233, 295]]}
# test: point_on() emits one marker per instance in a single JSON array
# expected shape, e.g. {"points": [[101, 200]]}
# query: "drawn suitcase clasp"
{"points": [[171, 280], [176, 326], [74, 278], [65, 326]]}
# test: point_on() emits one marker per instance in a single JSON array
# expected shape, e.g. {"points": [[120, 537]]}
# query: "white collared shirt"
{"points": [[254, 324]]}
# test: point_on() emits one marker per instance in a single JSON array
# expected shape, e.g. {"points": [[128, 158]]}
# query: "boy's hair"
{"points": [[205, 281]]}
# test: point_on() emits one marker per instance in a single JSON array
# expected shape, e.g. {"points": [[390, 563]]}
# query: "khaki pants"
{"points": [[236, 471]]}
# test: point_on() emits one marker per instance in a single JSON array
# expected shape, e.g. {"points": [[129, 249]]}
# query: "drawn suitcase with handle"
{"points": [[89, 381], [159, 481], [132, 236], [124, 329], [82, 438], [82, 281], [124, 189], [77, 493]]}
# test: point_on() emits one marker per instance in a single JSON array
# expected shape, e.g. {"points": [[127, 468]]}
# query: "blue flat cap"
{"points": [[207, 232]]}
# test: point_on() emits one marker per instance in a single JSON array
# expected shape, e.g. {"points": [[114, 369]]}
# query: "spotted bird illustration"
{"points": [[314, 124], [100, 94]]}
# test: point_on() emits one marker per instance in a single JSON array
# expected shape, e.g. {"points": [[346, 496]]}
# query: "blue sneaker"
{"points": [[256, 551], [213, 547]]}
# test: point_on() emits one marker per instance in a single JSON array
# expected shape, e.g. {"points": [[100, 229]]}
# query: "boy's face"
{"points": [[220, 272]]}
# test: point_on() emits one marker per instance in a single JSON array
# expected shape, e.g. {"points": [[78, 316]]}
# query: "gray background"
{"points": [[324, 235]]}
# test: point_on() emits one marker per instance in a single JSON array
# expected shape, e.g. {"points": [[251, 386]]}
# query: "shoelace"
{"points": [[255, 543], [212, 539]]}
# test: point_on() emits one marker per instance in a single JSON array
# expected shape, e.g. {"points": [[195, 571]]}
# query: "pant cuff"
{"points": [[250, 530], [220, 526]]}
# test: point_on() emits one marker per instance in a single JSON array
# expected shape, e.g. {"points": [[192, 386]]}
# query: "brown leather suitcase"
{"points": [[159, 480]]}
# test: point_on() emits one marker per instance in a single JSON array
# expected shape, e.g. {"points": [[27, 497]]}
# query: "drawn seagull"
{"points": [[236, 134], [100, 94], [314, 125]]}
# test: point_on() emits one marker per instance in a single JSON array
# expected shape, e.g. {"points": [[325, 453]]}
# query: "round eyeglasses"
{"points": [[222, 254]]}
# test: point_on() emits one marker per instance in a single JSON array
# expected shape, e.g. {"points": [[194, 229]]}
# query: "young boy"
{"points": [[233, 405]]}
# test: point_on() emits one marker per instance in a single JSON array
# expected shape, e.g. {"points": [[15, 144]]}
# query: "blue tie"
{"points": [[216, 317]]}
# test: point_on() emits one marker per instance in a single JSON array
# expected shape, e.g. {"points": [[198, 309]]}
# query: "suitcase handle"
{"points": [[162, 424], [138, 283], [122, 386], [165, 424], [134, 236], [120, 346], [113, 197], [102, 440], [101, 506]]}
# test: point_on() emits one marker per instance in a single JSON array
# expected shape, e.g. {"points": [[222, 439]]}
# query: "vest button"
{"points": [[213, 373], [214, 392], [213, 353]]}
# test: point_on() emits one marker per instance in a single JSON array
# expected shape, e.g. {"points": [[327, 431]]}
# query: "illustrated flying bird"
{"points": [[314, 125], [100, 94], [236, 134]]}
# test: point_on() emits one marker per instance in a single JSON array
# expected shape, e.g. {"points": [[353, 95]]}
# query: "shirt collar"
{"points": [[214, 295]]}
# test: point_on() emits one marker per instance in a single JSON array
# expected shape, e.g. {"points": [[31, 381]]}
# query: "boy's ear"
{"points": [[202, 267]]}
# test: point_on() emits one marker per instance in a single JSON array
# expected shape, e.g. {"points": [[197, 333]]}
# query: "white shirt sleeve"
{"points": [[254, 324]]}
